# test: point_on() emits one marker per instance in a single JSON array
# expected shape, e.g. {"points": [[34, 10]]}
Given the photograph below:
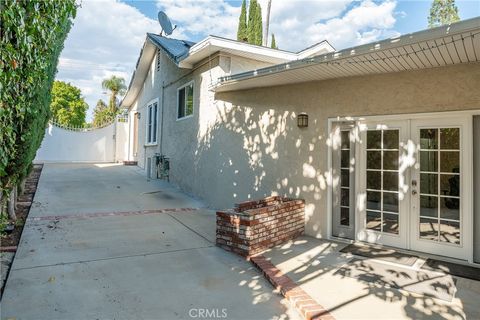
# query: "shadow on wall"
{"points": [[256, 149]]}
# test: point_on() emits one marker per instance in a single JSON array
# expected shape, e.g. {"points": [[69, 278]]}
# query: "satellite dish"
{"points": [[165, 23]]}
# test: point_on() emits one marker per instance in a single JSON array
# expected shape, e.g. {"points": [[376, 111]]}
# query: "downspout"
{"points": [[161, 123]]}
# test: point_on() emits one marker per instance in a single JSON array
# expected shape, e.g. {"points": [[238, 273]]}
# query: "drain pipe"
{"points": [[161, 123]]}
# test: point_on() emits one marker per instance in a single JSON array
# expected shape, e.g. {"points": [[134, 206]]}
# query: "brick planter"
{"points": [[254, 226]]}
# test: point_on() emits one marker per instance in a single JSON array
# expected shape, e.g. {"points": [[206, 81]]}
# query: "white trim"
{"points": [[213, 44], [146, 107], [191, 82]]}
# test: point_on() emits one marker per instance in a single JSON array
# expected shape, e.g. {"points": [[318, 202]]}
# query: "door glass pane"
{"points": [[374, 220], [344, 190], [450, 208], [345, 200], [374, 159], [450, 161], [428, 183], [374, 139], [390, 223], [450, 231], [450, 185], [390, 181], [382, 180], [345, 178], [428, 206], [429, 138], [390, 201], [440, 185], [450, 138], [429, 161], [429, 229], [390, 160], [345, 216], [345, 139], [374, 180], [345, 162], [374, 200], [390, 139]]}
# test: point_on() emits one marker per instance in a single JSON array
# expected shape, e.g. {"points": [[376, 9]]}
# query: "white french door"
{"points": [[382, 200], [413, 179], [441, 190]]}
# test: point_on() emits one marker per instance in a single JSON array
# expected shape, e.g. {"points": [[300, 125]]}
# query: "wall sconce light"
{"points": [[138, 115], [302, 120]]}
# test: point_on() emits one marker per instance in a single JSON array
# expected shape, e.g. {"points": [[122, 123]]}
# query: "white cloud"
{"points": [[105, 40], [297, 24], [202, 17]]}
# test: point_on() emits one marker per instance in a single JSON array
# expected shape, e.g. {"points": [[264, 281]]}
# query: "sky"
{"points": [[107, 35]]}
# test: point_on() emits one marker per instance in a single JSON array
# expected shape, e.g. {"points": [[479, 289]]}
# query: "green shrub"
{"points": [[32, 35]]}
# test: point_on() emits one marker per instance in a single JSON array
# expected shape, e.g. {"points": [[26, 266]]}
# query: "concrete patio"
{"points": [[90, 251], [351, 287]]}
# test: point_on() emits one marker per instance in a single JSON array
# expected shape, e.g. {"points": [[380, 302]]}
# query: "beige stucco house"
{"points": [[390, 155]]}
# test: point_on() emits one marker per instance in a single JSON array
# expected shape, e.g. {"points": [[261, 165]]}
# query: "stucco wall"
{"points": [[180, 136], [152, 89], [255, 148], [244, 145]]}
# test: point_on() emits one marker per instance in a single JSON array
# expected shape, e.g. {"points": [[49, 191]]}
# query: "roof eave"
{"points": [[397, 42]]}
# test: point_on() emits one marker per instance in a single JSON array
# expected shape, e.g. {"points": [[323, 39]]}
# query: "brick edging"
{"points": [[8, 249], [302, 301], [112, 214]]}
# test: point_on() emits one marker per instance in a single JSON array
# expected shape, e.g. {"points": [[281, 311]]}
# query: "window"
{"points": [[152, 116], [185, 101]]}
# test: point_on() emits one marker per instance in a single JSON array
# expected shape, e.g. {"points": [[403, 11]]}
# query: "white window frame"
{"points": [[178, 100], [154, 135]]}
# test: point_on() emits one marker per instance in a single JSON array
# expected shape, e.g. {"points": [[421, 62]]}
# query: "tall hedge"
{"points": [[32, 35]]}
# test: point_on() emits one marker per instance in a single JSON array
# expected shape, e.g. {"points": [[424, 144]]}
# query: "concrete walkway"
{"points": [[103, 242]]}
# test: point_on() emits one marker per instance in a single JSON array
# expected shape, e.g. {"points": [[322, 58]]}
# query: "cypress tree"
{"points": [[258, 26], [442, 12], [242, 23], [274, 43], [252, 17]]}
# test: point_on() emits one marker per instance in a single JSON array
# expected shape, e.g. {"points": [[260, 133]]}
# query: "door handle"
{"points": [[414, 192]]}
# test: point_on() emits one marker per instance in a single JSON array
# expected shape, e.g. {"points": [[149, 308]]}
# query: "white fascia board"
{"points": [[138, 77], [318, 49], [470, 25], [213, 44]]}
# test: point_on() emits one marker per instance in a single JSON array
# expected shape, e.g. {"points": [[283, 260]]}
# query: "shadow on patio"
{"points": [[352, 288]]}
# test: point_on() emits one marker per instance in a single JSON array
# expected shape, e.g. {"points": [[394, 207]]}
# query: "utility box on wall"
{"points": [[254, 226]]}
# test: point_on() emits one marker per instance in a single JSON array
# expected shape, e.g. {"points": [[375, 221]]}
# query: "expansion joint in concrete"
{"points": [[113, 258]]}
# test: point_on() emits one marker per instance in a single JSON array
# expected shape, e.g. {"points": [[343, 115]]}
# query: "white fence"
{"points": [[106, 144]]}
